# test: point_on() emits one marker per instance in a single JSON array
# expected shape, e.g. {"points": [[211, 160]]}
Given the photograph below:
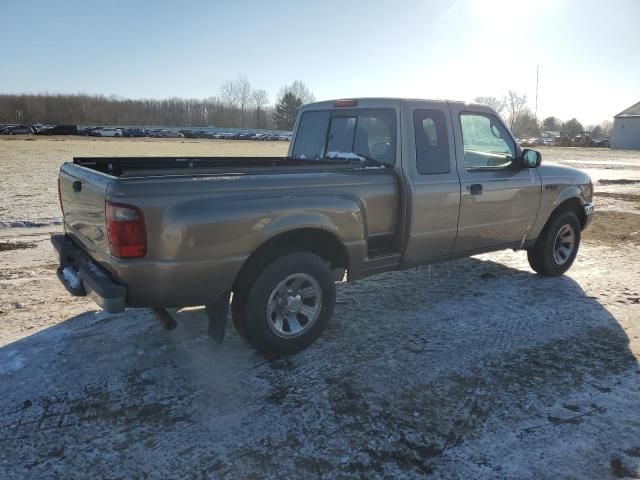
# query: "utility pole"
{"points": [[537, 71]]}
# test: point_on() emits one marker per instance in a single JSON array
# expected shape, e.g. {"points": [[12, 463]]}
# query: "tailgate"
{"points": [[82, 195]]}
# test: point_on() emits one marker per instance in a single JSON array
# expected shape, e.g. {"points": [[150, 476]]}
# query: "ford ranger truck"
{"points": [[368, 186]]}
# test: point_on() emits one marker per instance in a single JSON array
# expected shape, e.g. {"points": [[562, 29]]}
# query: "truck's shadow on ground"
{"points": [[415, 366]]}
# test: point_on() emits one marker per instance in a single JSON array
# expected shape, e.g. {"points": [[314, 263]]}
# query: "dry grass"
{"points": [[29, 165]]}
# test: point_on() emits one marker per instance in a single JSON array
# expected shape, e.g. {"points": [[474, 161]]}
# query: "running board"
{"points": [[382, 263]]}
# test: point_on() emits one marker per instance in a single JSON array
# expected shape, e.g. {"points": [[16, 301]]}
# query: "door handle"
{"points": [[77, 186], [475, 188]]}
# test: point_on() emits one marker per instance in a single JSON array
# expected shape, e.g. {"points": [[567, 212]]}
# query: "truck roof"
{"points": [[381, 101]]}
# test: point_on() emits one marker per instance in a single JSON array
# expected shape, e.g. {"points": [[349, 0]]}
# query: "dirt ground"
{"points": [[475, 368]]}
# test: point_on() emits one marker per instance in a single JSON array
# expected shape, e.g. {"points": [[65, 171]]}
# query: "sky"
{"points": [[588, 51]]}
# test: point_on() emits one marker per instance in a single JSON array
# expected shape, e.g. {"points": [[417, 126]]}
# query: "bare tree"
{"points": [[515, 105], [526, 124], [236, 94], [605, 128], [229, 94], [493, 102], [243, 88], [260, 99], [299, 90]]}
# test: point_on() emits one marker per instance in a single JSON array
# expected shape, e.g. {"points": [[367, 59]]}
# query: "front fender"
{"points": [[552, 197]]}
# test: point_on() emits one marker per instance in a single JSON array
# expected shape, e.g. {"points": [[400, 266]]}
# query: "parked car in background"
{"points": [[189, 133], [224, 135], [134, 132], [170, 134], [59, 130], [18, 130], [208, 135], [85, 132], [107, 132]]}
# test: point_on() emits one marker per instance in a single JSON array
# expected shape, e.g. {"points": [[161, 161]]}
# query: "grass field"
{"points": [[29, 166]]}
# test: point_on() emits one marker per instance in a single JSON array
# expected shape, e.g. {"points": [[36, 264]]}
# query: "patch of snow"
{"points": [[345, 155], [71, 277], [29, 223], [11, 363]]}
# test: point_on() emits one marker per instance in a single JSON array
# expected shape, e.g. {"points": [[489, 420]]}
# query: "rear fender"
{"points": [[198, 229]]}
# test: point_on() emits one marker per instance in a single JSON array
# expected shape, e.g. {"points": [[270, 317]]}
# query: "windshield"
{"points": [[357, 134]]}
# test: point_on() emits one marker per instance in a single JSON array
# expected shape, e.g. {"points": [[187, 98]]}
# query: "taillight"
{"points": [[126, 230]]}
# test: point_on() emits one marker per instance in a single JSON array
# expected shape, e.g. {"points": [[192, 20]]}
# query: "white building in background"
{"points": [[626, 129]]}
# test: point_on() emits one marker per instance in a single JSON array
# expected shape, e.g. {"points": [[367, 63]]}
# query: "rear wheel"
{"points": [[557, 247], [288, 305]]}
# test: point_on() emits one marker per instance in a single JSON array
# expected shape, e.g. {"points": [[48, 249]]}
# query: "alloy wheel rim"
{"points": [[294, 305], [564, 244]]}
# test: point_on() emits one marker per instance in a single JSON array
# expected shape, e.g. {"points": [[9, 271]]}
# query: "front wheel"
{"points": [[289, 304], [557, 247]]}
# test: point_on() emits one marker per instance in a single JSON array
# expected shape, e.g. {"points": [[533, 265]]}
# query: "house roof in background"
{"points": [[632, 111]]}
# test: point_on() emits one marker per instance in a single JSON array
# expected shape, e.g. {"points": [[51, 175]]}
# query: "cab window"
{"points": [[311, 135], [368, 133], [432, 142], [487, 144]]}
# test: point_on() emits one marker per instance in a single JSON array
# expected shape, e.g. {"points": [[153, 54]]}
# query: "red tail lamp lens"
{"points": [[126, 231]]}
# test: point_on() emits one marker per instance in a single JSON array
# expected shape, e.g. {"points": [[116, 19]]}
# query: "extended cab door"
{"points": [[432, 184], [499, 198]]}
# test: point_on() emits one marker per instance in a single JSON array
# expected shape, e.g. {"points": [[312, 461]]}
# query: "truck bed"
{"points": [[156, 166], [205, 215]]}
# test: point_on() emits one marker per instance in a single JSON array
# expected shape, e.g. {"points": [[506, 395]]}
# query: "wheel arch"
{"points": [[572, 204], [319, 241]]}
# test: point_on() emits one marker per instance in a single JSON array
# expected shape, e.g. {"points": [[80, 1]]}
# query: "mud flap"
{"points": [[218, 313]]}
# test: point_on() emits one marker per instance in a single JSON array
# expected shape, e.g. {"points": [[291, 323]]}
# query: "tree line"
{"points": [[514, 108], [237, 105]]}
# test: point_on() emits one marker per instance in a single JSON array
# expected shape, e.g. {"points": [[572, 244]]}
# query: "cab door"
{"points": [[499, 198], [431, 179]]}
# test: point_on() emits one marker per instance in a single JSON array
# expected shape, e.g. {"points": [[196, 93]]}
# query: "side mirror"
{"points": [[531, 158]]}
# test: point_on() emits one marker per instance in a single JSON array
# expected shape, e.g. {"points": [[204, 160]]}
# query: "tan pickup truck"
{"points": [[369, 185]]}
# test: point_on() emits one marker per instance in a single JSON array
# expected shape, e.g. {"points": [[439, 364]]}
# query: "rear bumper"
{"points": [[81, 276], [588, 214]]}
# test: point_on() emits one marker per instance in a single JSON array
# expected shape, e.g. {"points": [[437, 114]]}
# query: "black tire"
{"points": [[250, 312], [543, 257]]}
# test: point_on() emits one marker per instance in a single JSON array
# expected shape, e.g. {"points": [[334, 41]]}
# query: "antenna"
{"points": [[537, 71]]}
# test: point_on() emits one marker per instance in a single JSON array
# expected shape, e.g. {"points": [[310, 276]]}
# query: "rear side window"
{"points": [[311, 135], [432, 142], [341, 133], [369, 133]]}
